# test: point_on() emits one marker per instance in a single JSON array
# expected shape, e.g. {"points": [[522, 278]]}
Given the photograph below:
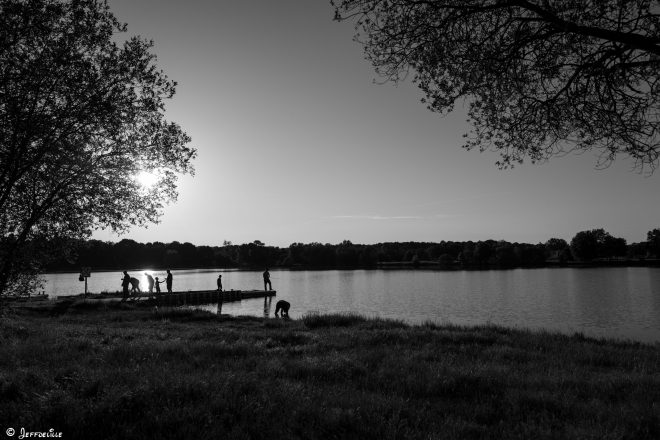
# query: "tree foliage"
{"points": [[127, 253], [597, 243], [539, 77], [81, 114], [653, 242]]}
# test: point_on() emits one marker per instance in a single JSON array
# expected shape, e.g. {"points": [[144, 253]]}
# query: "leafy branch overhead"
{"points": [[81, 113], [539, 77]]}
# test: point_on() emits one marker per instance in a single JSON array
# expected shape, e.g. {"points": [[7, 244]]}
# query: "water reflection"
{"points": [[651, 283], [614, 302], [267, 303]]}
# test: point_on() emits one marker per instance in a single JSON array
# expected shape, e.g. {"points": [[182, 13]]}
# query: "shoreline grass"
{"points": [[124, 371]]}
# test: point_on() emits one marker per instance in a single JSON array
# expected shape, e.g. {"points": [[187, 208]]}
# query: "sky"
{"points": [[299, 140]]}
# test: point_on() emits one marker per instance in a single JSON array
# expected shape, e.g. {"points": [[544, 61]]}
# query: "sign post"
{"points": [[85, 272]]}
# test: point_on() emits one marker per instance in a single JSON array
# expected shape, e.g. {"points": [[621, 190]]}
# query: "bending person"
{"points": [[283, 307]]}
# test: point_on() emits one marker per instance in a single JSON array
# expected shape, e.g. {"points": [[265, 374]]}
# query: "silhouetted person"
{"points": [[125, 282], [150, 280], [158, 283], [267, 284], [282, 306], [168, 281], [219, 283], [135, 285]]}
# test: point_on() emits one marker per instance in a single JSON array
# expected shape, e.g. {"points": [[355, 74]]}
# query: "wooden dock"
{"points": [[197, 297], [174, 299]]}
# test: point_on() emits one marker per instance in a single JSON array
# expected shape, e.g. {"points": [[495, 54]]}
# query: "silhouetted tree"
{"points": [[346, 254], [556, 244], [172, 259], [317, 254], [482, 252], [530, 255], [205, 257], [130, 254], [188, 253], [653, 242], [613, 246], [126, 253], [585, 244], [540, 77], [367, 256], [596, 243], [80, 116], [557, 249], [504, 255], [445, 260], [638, 250], [434, 251], [295, 254], [466, 255]]}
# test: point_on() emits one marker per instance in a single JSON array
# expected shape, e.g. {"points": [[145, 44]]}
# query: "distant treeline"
{"points": [[587, 246]]}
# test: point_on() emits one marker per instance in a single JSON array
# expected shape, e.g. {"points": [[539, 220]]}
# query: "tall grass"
{"points": [[134, 372]]}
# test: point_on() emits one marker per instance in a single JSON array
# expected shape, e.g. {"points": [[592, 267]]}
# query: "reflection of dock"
{"points": [[178, 298], [174, 299], [196, 297]]}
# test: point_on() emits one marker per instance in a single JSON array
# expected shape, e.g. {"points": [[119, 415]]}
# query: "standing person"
{"points": [[168, 281], [125, 282], [158, 283], [220, 283], [150, 281], [267, 280]]}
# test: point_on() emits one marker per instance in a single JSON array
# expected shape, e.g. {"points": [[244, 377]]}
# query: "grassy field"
{"points": [[122, 371]]}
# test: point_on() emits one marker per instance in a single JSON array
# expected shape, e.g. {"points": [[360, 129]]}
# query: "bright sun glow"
{"points": [[146, 179]]}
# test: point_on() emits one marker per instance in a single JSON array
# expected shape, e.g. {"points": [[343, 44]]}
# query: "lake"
{"points": [[613, 302]]}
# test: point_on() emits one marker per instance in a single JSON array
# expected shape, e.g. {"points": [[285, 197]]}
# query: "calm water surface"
{"points": [[613, 302]]}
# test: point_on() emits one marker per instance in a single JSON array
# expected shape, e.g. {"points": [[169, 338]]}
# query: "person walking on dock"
{"points": [[150, 281], [125, 282], [267, 284], [168, 281], [219, 283]]}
